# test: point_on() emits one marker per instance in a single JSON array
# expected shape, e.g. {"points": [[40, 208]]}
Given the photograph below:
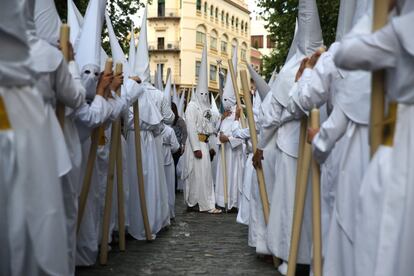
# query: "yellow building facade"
{"points": [[179, 29]]}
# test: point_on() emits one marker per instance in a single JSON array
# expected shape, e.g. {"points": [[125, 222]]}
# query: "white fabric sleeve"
{"points": [[265, 136], [66, 89], [330, 132], [133, 91], [369, 52], [191, 121], [238, 132], [175, 146], [314, 85], [95, 114], [235, 142], [118, 105]]}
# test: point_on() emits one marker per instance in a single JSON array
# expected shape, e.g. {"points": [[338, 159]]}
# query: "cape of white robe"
{"points": [[394, 195], [197, 174], [170, 145]]}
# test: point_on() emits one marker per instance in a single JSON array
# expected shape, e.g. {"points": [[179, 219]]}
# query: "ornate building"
{"points": [[179, 29]]}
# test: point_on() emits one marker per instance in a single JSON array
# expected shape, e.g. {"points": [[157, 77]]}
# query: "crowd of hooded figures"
{"points": [[88, 150]]}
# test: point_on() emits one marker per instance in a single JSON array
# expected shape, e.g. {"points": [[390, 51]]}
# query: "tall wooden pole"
{"points": [[64, 46], [253, 137], [96, 134], [302, 171], [140, 174], [316, 204], [121, 200], [236, 92], [378, 83], [103, 257]]}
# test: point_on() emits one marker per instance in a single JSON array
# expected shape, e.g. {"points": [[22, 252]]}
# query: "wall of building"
{"points": [[179, 27]]}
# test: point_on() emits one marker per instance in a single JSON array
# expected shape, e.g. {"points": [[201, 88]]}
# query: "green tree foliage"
{"points": [[281, 17], [120, 12]]}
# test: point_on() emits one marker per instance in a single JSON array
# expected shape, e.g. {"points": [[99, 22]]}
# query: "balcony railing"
{"points": [[166, 14], [167, 46]]}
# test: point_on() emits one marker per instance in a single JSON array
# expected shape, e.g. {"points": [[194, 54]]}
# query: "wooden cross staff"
{"points": [[86, 185], [253, 138], [378, 84], [64, 46], [140, 174], [236, 93], [114, 152]]}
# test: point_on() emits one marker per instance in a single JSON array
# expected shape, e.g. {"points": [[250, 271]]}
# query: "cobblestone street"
{"points": [[195, 244]]}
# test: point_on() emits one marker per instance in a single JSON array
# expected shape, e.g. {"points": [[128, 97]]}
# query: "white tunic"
{"points": [[234, 164]]}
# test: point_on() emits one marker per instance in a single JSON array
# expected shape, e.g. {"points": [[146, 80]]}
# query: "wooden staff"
{"points": [[316, 204], [120, 190], [96, 134], [378, 84], [140, 174], [119, 176], [253, 138], [225, 177], [236, 92], [115, 130], [302, 171], [64, 46]]}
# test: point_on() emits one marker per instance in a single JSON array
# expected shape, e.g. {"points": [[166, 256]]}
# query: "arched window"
{"points": [[205, 7], [242, 25], [201, 35], [245, 27], [234, 44], [243, 52], [198, 5], [227, 18], [224, 43], [237, 23], [217, 13], [211, 10], [232, 21], [222, 16], [213, 40]]}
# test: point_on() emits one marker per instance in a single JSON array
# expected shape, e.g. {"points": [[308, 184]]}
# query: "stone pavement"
{"points": [[195, 244]]}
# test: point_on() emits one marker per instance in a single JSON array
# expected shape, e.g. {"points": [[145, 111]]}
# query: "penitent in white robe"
{"points": [[171, 145], [234, 164], [387, 211], [154, 178], [197, 174]]}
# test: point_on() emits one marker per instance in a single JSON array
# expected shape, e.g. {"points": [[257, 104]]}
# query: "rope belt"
{"points": [[203, 138]]}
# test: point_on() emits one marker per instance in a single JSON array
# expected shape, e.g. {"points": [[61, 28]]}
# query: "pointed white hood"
{"points": [[201, 95], [176, 99], [75, 21], [193, 92], [47, 21], [345, 18], [142, 65], [117, 53], [132, 48], [214, 107], [309, 39], [181, 104], [293, 46], [229, 98], [45, 57], [261, 86], [14, 43], [167, 90], [88, 50], [158, 82]]}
